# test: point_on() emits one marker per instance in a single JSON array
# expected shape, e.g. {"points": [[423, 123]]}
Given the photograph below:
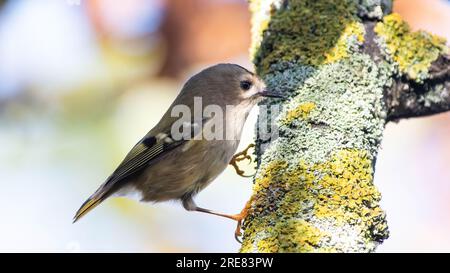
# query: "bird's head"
{"points": [[228, 84]]}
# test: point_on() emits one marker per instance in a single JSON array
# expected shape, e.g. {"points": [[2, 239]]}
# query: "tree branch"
{"points": [[347, 67], [408, 98], [422, 69], [314, 188]]}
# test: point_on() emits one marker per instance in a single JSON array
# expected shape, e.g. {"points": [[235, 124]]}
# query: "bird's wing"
{"points": [[142, 154], [151, 147]]}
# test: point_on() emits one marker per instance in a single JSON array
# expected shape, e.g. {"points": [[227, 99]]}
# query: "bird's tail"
{"points": [[94, 200]]}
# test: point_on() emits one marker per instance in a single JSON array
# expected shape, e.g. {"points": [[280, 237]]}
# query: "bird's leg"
{"points": [[242, 215], [190, 205], [239, 157]]}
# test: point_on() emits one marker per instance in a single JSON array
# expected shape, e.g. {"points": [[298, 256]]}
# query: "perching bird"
{"points": [[165, 165]]}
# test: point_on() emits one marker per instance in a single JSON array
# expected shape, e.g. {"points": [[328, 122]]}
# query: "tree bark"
{"points": [[347, 67]]}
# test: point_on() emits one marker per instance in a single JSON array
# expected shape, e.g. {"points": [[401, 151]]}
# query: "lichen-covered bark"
{"points": [[338, 62], [407, 98]]}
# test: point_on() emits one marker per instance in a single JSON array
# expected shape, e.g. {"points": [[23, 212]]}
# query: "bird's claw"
{"points": [[240, 218], [237, 232], [240, 157]]}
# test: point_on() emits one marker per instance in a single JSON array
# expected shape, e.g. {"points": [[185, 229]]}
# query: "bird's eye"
{"points": [[246, 85]]}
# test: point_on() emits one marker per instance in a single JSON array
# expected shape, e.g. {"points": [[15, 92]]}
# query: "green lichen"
{"points": [[339, 190], [286, 235], [413, 52], [374, 9], [433, 96], [348, 112], [292, 236], [309, 32], [314, 188], [317, 176], [353, 30]]}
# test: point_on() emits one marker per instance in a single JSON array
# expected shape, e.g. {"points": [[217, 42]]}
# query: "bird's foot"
{"points": [[240, 218], [240, 157], [190, 205]]}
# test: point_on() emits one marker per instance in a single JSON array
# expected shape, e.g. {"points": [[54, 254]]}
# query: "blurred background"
{"points": [[82, 80]]}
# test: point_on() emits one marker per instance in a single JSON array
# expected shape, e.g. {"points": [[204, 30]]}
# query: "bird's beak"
{"points": [[271, 94]]}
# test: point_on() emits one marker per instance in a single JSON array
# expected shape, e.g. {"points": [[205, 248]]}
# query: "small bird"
{"points": [[164, 166]]}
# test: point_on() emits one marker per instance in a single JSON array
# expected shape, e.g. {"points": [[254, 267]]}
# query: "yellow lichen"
{"points": [[412, 51], [302, 111], [270, 173], [347, 180], [340, 190], [293, 236], [340, 50]]}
